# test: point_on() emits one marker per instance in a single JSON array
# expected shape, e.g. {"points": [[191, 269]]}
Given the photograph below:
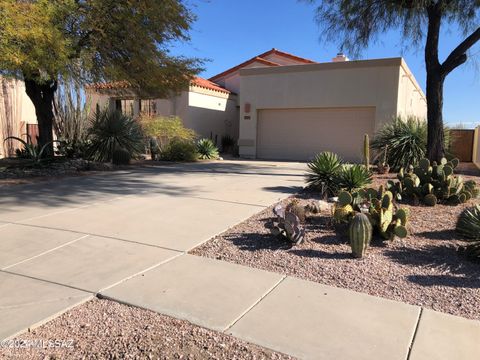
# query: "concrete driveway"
{"points": [[66, 240]]}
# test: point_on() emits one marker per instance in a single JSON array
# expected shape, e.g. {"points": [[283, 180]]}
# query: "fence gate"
{"points": [[461, 144]]}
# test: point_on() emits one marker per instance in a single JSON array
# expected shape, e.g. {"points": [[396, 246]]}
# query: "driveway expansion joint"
{"points": [[268, 292], [412, 343]]}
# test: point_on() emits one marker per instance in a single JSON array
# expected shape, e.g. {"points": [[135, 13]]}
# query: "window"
{"points": [[125, 106], [148, 107]]}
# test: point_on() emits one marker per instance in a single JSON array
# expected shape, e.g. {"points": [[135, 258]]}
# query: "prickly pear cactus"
{"points": [[433, 183], [287, 225]]}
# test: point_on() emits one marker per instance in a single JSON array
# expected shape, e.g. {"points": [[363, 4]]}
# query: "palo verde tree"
{"points": [[42, 41], [357, 23]]}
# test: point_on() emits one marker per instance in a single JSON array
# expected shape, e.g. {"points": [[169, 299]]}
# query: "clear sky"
{"points": [[228, 32]]}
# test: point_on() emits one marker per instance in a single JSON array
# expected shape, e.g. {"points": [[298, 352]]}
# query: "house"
{"points": [[292, 108], [17, 115], [284, 107], [207, 108]]}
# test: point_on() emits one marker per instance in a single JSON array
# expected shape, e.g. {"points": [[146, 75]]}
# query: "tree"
{"points": [[357, 23], [43, 41]]}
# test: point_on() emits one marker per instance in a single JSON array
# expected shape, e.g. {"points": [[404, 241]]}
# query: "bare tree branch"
{"points": [[458, 56]]}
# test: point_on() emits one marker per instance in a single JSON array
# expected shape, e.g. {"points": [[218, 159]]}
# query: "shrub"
{"points": [[121, 157], [179, 150], [207, 149], [353, 177], [113, 130], [322, 174], [165, 129], [468, 226]]}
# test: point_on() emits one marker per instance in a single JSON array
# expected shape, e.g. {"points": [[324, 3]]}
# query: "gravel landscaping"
{"points": [[102, 329], [423, 269]]}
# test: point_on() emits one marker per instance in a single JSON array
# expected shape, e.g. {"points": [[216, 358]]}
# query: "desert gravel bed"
{"points": [[424, 269], [103, 329]]}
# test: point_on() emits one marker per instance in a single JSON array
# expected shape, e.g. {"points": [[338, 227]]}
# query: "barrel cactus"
{"points": [[121, 157], [360, 233]]}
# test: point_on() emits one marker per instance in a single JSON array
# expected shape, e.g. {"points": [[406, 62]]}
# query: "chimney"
{"points": [[341, 57]]}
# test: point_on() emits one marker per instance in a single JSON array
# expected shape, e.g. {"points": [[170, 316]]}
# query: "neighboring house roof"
{"points": [[261, 58], [109, 85], [196, 81], [207, 84]]}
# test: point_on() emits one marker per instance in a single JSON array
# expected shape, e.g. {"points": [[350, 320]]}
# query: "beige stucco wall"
{"points": [[15, 103], [368, 83], [411, 98], [207, 112]]}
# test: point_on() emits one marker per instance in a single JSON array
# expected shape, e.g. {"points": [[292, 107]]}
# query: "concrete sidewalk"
{"points": [[125, 236]]}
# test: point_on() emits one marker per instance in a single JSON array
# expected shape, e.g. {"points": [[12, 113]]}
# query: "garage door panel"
{"points": [[299, 134]]}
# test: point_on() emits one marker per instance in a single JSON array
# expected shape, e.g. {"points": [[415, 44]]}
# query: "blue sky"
{"points": [[228, 32]]}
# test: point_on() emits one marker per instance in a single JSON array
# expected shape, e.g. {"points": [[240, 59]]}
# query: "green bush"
{"points": [[165, 129], [179, 150], [112, 130], [353, 177], [206, 149], [322, 173], [405, 141]]}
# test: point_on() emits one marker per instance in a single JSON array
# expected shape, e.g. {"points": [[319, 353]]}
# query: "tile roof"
{"points": [[261, 58], [207, 84], [196, 81]]}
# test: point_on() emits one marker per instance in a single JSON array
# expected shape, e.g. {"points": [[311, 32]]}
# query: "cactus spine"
{"points": [[360, 232], [366, 151]]}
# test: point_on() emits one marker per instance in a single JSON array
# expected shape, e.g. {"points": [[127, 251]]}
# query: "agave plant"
{"points": [[353, 177], [322, 173], [207, 149], [33, 152], [468, 226], [113, 130]]}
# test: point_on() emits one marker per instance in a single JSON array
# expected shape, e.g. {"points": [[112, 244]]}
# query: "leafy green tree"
{"points": [[42, 41], [357, 23]]}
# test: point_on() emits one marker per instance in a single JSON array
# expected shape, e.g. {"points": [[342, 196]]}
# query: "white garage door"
{"points": [[299, 134]]}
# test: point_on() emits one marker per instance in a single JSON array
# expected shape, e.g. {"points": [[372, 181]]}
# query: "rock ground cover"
{"points": [[103, 329], [423, 269]]}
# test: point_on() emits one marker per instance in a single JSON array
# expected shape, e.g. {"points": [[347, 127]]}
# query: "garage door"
{"points": [[299, 134]]}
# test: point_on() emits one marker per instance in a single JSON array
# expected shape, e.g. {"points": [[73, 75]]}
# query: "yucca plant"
{"points": [[206, 149], [112, 130], [353, 177], [322, 173], [468, 226], [405, 141], [31, 151]]}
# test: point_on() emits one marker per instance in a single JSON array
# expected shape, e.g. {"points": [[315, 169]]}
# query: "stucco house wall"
{"points": [[16, 109], [209, 113], [352, 84]]}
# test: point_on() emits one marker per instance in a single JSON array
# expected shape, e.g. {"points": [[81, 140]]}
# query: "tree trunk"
{"points": [[435, 79], [42, 95], [435, 139]]}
